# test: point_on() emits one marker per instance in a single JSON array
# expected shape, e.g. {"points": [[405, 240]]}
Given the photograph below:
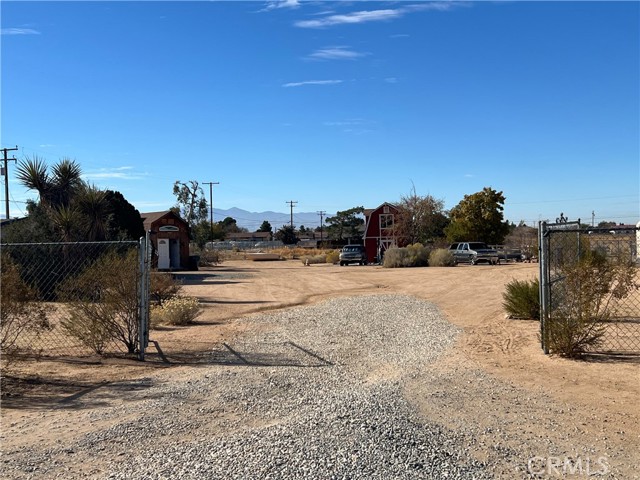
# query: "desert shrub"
{"points": [[176, 311], [395, 257], [584, 301], [92, 332], [20, 312], [163, 287], [441, 257], [332, 256], [521, 299], [208, 256], [314, 259], [102, 302], [416, 255]]}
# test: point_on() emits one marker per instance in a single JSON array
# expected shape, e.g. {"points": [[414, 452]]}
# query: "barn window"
{"points": [[386, 220]]}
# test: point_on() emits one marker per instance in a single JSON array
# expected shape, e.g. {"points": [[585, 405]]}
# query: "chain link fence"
{"points": [[74, 299], [590, 288]]}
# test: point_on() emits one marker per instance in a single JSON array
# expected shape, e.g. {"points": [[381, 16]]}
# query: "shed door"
{"points": [[174, 253], [164, 262]]}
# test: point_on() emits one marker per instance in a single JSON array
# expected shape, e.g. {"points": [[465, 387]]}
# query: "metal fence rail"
{"points": [[613, 297], [74, 299]]}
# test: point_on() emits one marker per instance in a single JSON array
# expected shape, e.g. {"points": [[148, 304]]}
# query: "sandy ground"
{"points": [[608, 389]]}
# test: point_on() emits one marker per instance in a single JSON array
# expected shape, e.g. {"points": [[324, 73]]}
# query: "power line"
{"points": [[5, 172], [211, 184], [321, 213], [292, 202]]}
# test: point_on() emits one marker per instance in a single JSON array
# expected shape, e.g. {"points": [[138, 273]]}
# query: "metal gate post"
{"points": [[543, 261], [143, 296]]}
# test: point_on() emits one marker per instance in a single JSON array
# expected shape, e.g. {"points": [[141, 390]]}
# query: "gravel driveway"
{"points": [[313, 392]]}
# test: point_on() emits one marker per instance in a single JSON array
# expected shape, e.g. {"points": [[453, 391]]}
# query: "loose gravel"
{"points": [[320, 393]]}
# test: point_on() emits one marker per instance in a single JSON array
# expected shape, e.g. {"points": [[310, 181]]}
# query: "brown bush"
{"points": [[591, 285], [21, 313], [103, 302], [163, 287]]}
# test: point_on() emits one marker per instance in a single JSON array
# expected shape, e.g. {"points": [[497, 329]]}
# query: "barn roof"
{"points": [[369, 211]]}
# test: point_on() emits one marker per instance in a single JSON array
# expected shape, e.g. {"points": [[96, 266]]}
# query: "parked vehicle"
{"points": [[507, 253], [353, 254], [473, 253]]}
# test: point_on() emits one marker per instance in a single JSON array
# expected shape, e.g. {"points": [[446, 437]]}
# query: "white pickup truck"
{"points": [[473, 253]]}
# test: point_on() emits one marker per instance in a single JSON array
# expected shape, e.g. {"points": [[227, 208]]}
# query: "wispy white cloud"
{"points": [[119, 173], [312, 82], [391, 80], [344, 123], [275, 4], [399, 35], [364, 16], [19, 31], [353, 126], [336, 53], [350, 18]]}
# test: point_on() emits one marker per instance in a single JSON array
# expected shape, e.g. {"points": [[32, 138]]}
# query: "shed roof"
{"points": [[150, 218]]}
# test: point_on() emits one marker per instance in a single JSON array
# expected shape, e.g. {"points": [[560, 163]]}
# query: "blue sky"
{"points": [[332, 104]]}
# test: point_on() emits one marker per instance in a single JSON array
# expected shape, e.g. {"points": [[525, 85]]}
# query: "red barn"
{"points": [[378, 234]]}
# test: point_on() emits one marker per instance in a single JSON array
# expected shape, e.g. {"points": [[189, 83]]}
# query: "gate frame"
{"points": [[544, 235]]}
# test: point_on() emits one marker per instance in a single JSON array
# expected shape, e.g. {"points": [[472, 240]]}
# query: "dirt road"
{"points": [[595, 400]]}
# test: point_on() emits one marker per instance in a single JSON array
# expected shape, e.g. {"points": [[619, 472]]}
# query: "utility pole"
{"points": [[211, 184], [5, 171], [291, 202], [321, 213], [593, 218]]}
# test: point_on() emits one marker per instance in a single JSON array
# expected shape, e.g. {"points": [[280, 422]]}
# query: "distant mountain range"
{"points": [[252, 220]]}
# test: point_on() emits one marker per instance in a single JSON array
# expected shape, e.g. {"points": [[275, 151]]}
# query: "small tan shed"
{"points": [[170, 239]]}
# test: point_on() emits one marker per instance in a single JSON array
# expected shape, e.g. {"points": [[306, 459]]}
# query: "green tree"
{"points": [[37, 227], [287, 235], [605, 224], [203, 233], [191, 203], [265, 227], [479, 217], [346, 224], [125, 222], [420, 219]]}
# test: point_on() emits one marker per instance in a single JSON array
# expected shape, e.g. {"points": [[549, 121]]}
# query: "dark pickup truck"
{"points": [[353, 254]]}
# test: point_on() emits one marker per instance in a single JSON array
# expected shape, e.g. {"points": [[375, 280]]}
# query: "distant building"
{"points": [[248, 236]]}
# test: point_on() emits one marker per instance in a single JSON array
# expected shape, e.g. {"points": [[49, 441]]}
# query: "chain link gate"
{"points": [[609, 291], [75, 299]]}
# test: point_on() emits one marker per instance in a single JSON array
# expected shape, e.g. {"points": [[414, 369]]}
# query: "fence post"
{"points": [[143, 297], [543, 263]]}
